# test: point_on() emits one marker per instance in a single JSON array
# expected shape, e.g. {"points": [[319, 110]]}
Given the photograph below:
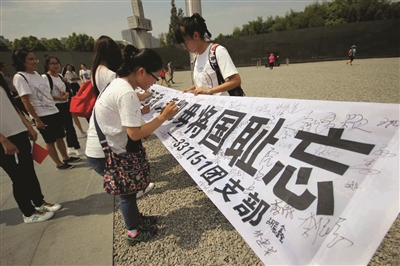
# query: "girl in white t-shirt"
{"points": [[37, 99], [193, 35], [16, 160], [118, 115], [61, 98]]}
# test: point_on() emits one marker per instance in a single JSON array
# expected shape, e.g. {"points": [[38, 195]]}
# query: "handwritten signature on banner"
{"points": [[238, 148]]}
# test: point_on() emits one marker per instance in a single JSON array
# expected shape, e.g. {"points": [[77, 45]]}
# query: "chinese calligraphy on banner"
{"points": [[303, 182]]}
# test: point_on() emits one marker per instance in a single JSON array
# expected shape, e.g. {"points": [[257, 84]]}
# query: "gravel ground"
{"points": [[193, 231]]}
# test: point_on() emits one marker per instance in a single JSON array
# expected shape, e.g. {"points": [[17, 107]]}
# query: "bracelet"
{"points": [[210, 92]]}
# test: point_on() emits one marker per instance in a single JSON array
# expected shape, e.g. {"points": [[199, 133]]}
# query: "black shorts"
{"points": [[54, 128]]}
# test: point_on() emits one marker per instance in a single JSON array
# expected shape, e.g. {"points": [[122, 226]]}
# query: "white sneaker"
{"points": [[48, 207], [83, 135], [147, 190], [79, 152], [73, 151], [38, 216]]}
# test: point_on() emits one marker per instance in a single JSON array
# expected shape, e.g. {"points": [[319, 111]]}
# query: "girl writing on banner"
{"points": [[107, 59], [37, 99], [193, 35], [16, 160], [118, 115]]}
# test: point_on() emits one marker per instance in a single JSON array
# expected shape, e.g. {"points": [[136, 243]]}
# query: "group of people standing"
{"points": [[116, 75]]}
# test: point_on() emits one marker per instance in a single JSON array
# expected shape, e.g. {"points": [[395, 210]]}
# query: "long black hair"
{"points": [[106, 51], [4, 85], [134, 59], [19, 57], [189, 25]]}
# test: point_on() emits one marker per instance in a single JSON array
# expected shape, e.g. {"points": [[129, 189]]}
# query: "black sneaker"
{"points": [[141, 235], [72, 160], [146, 221], [65, 166]]}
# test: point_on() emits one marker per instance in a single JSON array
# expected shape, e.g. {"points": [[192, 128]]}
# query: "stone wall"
{"points": [[373, 39]]}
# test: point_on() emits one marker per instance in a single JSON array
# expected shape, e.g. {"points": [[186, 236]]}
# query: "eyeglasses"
{"points": [[184, 43], [33, 59], [54, 64], [151, 74]]}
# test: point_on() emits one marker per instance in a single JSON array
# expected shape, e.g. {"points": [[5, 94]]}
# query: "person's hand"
{"points": [[39, 124], [201, 90], [9, 147], [146, 109], [32, 134], [170, 110], [147, 93], [187, 90]]}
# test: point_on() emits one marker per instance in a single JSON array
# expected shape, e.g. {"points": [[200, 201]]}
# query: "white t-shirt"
{"points": [[85, 74], [103, 77], [10, 122], [69, 75], [117, 108], [38, 91], [58, 87], [203, 74]]}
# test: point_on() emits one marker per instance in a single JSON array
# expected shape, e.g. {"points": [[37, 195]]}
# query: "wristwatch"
{"points": [[210, 92]]}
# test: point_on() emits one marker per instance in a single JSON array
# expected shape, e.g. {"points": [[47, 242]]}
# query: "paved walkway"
{"points": [[82, 232], [79, 234]]}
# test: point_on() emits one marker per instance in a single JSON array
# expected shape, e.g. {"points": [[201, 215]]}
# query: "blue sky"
{"points": [[55, 18]]}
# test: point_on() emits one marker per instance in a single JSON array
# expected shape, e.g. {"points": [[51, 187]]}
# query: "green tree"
{"points": [[3, 46], [54, 45], [79, 43], [32, 43], [162, 40], [176, 17]]}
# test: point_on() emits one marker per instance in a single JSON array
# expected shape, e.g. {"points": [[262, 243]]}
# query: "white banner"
{"points": [[303, 182]]}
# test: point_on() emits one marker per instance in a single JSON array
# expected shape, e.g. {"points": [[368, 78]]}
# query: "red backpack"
{"points": [[83, 102]]}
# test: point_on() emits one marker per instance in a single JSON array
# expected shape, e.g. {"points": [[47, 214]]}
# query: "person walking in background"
{"points": [[72, 79], [61, 98], [16, 160], [37, 99], [193, 35], [84, 73], [162, 76], [271, 60], [7, 78], [107, 59], [117, 112], [170, 72], [351, 54]]}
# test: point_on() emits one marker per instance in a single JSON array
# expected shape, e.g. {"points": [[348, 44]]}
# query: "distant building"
{"points": [[43, 39], [6, 41], [63, 40]]}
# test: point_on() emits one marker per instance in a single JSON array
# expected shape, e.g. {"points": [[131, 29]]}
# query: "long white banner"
{"points": [[303, 182]]}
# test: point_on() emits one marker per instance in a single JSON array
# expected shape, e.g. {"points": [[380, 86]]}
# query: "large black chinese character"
{"points": [[221, 129], [325, 189], [230, 189], [214, 174], [201, 123], [238, 145], [333, 140], [251, 208], [187, 115]]}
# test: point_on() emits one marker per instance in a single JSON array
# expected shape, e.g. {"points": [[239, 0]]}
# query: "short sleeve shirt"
{"points": [[39, 93], [203, 74], [117, 108]]}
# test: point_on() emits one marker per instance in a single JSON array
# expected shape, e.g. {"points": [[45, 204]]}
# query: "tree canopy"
{"points": [[321, 14], [176, 17], [74, 43]]}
